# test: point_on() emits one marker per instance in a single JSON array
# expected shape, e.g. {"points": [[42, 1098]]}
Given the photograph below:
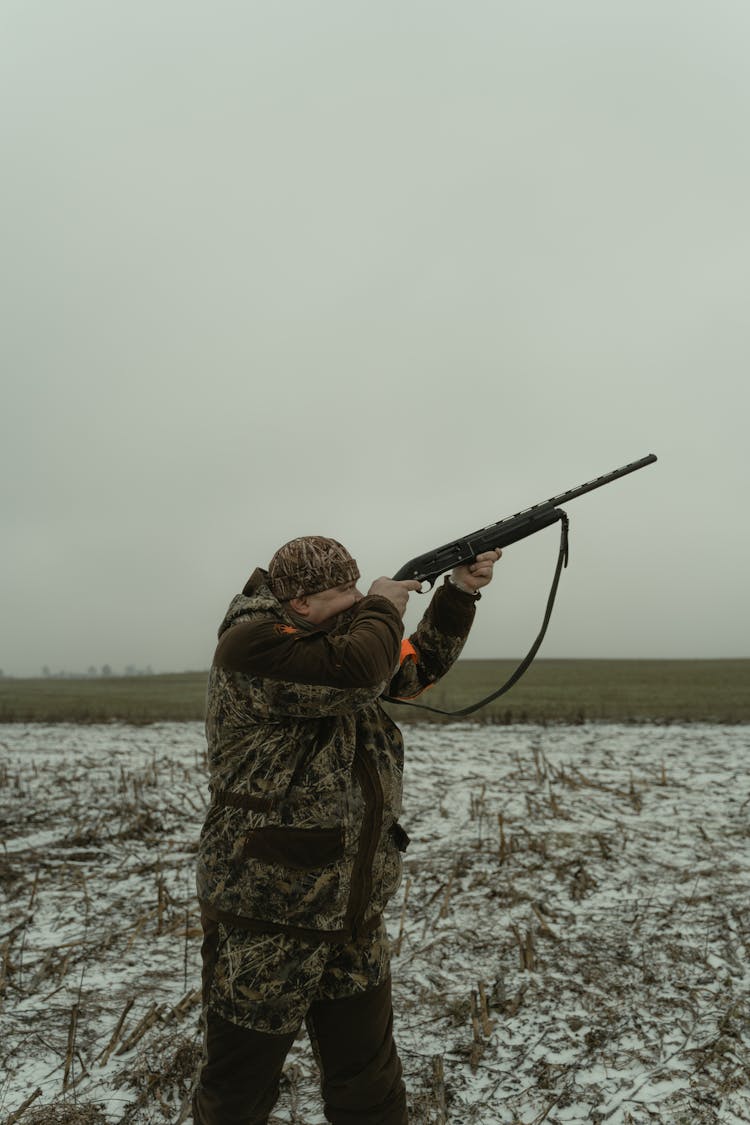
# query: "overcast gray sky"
{"points": [[383, 271]]}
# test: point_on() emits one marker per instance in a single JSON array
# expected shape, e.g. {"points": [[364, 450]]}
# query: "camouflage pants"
{"points": [[267, 982], [258, 990]]}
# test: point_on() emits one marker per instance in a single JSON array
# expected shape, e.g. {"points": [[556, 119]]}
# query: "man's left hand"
{"points": [[473, 576]]}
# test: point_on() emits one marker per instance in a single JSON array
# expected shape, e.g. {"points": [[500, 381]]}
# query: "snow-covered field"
{"points": [[571, 939]]}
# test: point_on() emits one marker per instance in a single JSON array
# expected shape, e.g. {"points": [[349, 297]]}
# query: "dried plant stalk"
{"points": [[33, 889], [399, 939], [104, 1057], [487, 1025], [475, 1016], [438, 1080], [526, 959], [24, 1106], [447, 896], [4, 963], [160, 904], [140, 1029], [72, 1028], [529, 951], [544, 929], [504, 850]]}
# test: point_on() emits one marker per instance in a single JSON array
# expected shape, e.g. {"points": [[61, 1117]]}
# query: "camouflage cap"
{"points": [[308, 565]]}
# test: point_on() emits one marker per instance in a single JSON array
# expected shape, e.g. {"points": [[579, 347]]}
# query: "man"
{"points": [[300, 850]]}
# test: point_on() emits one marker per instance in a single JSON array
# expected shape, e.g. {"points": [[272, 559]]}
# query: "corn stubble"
{"points": [[546, 931]]}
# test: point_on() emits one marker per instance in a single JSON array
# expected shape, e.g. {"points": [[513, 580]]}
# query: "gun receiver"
{"points": [[429, 567]]}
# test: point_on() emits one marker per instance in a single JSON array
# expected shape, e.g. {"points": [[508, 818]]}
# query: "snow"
{"points": [[571, 937]]}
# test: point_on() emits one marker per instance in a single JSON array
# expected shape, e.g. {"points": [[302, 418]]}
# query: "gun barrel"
{"points": [[589, 486]]}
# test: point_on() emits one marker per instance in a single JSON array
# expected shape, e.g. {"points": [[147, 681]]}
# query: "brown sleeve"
{"points": [[363, 656], [452, 611], [436, 643]]}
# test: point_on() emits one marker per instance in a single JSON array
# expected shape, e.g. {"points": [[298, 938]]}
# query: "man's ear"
{"points": [[300, 606]]}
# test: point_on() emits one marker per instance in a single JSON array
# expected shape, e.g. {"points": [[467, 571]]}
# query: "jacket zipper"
{"points": [[372, 822]]}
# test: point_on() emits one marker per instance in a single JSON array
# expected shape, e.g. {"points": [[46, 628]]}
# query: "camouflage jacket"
{"points": [[305, 766]]}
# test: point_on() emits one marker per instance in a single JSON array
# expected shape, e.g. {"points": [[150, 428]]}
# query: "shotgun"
{"points": [[429, 566]]}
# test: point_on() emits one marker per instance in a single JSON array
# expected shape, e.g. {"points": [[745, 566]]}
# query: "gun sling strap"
{"points": [[562, 561]]}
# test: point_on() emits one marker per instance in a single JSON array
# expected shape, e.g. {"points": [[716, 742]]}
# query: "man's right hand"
{"points": [[396, 592]]}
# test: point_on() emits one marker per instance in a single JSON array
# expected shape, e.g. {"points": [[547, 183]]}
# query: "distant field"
{"points": [[568, 691], [574, 691], [130, 699]]}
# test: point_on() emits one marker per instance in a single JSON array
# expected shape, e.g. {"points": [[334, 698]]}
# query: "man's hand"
{"points": [[396, 592], [473, 576]]}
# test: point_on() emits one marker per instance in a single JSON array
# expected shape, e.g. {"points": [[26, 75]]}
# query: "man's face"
{"points": [[326, 605]]}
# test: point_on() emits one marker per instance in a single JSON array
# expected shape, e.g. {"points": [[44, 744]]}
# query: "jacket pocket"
{"points": [[300, 849]]}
